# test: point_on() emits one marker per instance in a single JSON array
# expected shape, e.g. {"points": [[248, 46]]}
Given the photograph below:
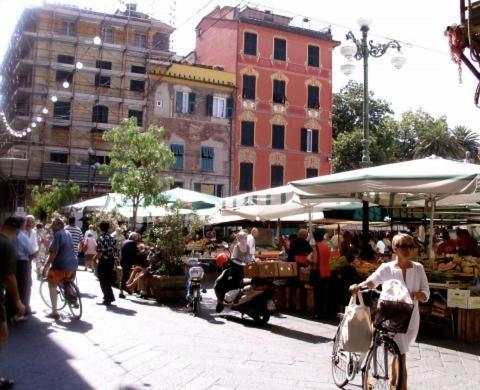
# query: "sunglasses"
{"points": [[405, 246]]}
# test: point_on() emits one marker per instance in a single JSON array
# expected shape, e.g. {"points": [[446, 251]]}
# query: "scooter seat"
{"points": [[246, 281]]}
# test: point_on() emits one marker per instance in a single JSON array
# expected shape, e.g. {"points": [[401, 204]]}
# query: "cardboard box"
{"points": [[267, 269], [250, 270], [474, 302], [458, 298], [286, 270]]}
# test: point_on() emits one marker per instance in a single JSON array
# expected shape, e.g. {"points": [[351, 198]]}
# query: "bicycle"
{"points": [[377, 362], [68, 294]]}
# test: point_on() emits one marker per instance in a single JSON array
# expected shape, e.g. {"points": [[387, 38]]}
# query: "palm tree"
{"points": [[438, 140], [469, 141]]}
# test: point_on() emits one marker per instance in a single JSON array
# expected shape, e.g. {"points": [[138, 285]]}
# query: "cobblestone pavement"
{"points": [[140, 344]]}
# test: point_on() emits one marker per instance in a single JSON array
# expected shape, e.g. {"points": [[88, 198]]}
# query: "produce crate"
{"points": [[468, 325], [250, 270], [286, 270], [458, 298], [267, 269]]}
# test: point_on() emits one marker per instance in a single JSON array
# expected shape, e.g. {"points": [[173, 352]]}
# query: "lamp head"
{"points": [[398, 61], [348, 51], [347, 69]]}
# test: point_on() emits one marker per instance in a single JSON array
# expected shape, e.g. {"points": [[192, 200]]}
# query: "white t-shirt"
{"points": [[380, 247], [251, 244], [32, 237]]}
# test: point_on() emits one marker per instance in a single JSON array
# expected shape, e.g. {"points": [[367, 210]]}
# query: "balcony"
{"points": [[76, 173]]}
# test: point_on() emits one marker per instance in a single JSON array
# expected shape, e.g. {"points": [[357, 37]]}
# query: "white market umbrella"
{"points": [[432, 178], [197, 200]]}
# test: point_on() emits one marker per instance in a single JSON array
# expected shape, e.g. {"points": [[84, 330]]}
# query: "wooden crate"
{"points": [[468, 325]]}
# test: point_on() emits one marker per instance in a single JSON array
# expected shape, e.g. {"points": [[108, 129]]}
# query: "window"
{"points": [[67, 28], [219, 107], [276, 176], [108, 35], [248, 87], [137, 85], [309, 141], [102, 81], [103, 159], [247, 136], [207, 159], [64, 75], [60, 127], [178, 152], [140, 40], [160, 41], [279, 91], [138, 115], [138, 69], [59, 157], [184, 102], [64, 59], [279, 49], [312, 172], [313, 97], [250, 44], [176, 184], [100, 114], [246, 177], [211, 189], [104, 64], [61, 110], [313, 56], [278, 137]]}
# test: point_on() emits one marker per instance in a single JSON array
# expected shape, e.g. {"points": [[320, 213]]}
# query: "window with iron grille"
{"points": [[137, 85], [278, 137], [246, 177], [138, 69], [313, 56], [276, 176], [309, 141], [64, 75], [178, 152], [108, 35], [59, 157], [248, 87], [100, 114], [61, 110], [248, 133], [280, 49], [64, 59], [140, 40], [104, 64], [207, 155], [67, 28], [184, 102], [313, 97], [311, 172], [138, 115], [250, 43], [279, 91], [102, 81]]}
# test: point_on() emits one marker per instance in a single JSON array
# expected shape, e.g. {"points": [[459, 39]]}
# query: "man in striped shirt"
{"points": [[76, 233]]}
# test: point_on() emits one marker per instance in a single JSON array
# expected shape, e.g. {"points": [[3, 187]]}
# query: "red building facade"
{"points": [[283, 103]]}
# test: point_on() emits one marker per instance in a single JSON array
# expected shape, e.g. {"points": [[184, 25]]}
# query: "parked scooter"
{"points": [[253, 297], [194, 276]]}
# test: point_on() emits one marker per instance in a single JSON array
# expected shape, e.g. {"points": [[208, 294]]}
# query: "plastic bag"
{"points": [[394, 290], [357, 326]]}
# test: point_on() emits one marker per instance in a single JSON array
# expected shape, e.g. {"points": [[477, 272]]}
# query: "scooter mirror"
{"points": [[225, 244]]}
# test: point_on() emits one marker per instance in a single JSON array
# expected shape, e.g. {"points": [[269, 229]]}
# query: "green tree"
{"points": [[49, 198], [438, 140], [468, 140], [347, 110], [138, 162]]}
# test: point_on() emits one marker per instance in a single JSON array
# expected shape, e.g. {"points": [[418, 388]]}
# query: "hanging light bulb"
{"points": [[45, 110], [79, 65], [39, 118], [29, 129], [53, 98], [97, 41], [34, 124], [24, 133], [66, 84]]}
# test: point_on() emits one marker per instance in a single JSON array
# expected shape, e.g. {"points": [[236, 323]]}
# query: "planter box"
{"points": [[166, 287], [267, 269], [287, 270], [250, 270]]}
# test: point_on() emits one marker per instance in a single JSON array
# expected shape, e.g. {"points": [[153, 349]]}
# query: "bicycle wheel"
{"points": [[45, 295], [339, 361], [75, 302], [378, 368]]}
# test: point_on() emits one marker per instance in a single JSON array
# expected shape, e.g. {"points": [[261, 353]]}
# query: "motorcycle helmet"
{"points": [[221, 259]]}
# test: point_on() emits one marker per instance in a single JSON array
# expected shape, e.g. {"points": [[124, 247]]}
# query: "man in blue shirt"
{"points": [[62, 260]]}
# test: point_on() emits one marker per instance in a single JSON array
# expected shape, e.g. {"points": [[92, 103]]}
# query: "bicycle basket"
{"points": [[393, 316]]}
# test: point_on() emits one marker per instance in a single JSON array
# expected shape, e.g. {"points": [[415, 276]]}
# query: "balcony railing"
{"points": [[76, 173]]}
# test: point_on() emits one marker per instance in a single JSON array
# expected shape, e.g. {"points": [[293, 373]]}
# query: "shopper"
{"points": [[413, 276], [106, 261], [320, 276], [128, 254], [251, 241], [76, 233]]}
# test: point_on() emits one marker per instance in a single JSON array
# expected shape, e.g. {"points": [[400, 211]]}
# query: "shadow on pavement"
{"points": [[31, 371], [207, 310], [461, 346], [121, 310], [72, 325]]}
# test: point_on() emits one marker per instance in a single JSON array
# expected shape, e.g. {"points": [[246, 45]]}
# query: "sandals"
{"points": [[55, 316], [6, 383]]}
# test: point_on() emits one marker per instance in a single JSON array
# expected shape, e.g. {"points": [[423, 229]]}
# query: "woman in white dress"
{"points": [[412, 275]]}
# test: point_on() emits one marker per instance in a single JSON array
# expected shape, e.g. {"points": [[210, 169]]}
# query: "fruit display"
{"points": [[467, 265], [198, 244], [338, 262]]}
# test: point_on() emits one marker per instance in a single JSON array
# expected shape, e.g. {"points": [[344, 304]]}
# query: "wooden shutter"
{"points": [[312, 172], [229, 108], [248, 87], [278, 137], [314, 141], [303, 140], [276, 176], [191, 102], [247, 133], [209, 105], [178, 101], [246, 177]]}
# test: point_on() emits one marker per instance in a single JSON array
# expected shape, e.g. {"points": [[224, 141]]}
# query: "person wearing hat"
{"points": [[8, 281]]}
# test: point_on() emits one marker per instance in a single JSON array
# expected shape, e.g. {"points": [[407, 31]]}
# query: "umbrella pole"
{"points": [[310, 224], [431, 255]]}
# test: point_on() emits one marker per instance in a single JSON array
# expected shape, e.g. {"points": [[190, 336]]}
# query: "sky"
{"points": [[429, 80]]}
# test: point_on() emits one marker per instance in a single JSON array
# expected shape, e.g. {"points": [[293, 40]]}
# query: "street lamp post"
{"points": [[361, 50]]}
